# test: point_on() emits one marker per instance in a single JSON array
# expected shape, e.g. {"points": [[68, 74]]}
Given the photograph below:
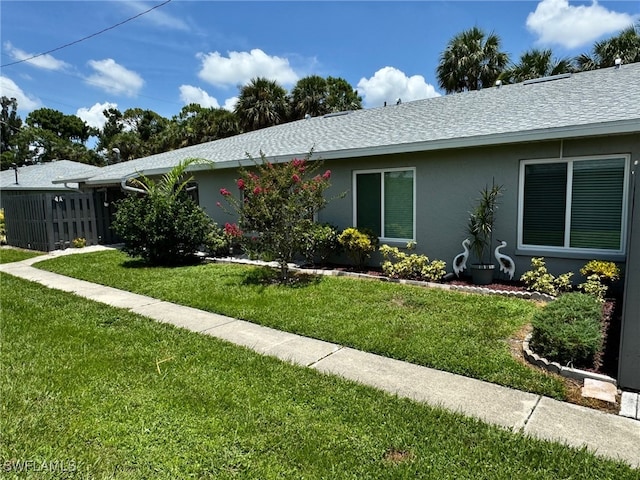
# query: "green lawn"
{"points": [[460, 333], [81, 387], [9, 255]]}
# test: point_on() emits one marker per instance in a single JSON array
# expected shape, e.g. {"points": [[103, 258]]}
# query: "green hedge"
{"points": [[568, 330]]}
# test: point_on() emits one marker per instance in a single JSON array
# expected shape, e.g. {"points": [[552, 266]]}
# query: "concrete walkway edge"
{"points": [[605, 434]]}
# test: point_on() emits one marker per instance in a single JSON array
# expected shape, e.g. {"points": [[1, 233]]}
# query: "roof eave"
{"points": [[504, 138]]}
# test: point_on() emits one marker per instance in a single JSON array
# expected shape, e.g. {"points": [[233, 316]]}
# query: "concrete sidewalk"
{"points": [[605, 434]]}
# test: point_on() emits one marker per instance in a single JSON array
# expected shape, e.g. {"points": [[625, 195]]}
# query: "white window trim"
{"points": [[382, 171], [567, 231]]}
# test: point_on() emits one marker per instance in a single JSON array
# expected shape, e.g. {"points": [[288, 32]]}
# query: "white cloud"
{"points": [[8, 88], [93, 116], [190, 94], [46, 62], [114, 78], [388, 84], [157, 17], [240, 67], [572, 26], [230, 103]]}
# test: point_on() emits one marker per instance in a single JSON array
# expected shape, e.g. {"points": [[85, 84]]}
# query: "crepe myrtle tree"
{"points": [[276, 205]]}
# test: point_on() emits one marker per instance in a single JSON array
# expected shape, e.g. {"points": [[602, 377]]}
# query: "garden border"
{"points": [[554, 367]]}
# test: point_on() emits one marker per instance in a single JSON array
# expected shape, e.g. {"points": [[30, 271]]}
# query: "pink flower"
{"points": [[218, 204], [317, 178], [240, 183], [232, 230], [257, 190], [327, 175], [298, 164], [224, 192], [295, 178]]}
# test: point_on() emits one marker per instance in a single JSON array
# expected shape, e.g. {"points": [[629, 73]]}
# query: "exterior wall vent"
{"points": [[546, 79], [337, 114]]}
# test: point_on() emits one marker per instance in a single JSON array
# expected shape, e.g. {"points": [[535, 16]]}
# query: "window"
{"points": [[574, 204], [385, 202]]}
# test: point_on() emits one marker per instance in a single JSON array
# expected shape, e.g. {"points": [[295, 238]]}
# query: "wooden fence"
{"points": [[50, 221]]}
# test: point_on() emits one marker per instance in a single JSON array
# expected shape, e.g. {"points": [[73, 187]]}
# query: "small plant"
{"points": [[216, 242], [538, 279], [319, 242], [568, 330], [599, 275], [594, 287], [606, 271], [79, 242], [399, 264], [359, 245], [481, 222], [3, 231]]}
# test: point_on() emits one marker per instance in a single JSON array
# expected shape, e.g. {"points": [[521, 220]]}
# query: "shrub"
{"points": [[162, 225], [3, 231], [359, 245], [79, 242], [399, 264], [538, 279], [606, 271], [599, 275], [568, 330], [216, 242], [319, 242]]}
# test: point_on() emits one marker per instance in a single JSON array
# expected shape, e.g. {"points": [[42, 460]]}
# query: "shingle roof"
{"points": [[41, 176], [598, 102]]}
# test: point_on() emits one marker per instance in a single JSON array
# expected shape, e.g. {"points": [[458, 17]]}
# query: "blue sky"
{"points": [[201, 51]]}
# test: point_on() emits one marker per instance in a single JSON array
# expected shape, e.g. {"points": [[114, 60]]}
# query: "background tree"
{"points": [[197, 124], [52, 135], [342, 96], [309, 96], [625, 45], [472, 60], [277, 204], [10, 126], [536, 63], [261, 103]]}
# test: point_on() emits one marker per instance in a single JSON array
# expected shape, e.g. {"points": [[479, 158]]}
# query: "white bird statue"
{"points": [[460, 260], [506, 263]]}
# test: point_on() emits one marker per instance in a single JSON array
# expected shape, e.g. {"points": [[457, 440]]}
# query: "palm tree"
{"points": [[625, 45], [261, 103], [342, 96], [309, 96], [536, 64], [472, 60]]}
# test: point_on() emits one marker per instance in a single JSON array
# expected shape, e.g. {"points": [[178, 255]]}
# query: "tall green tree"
{"points": [[625, 45], [341, 96], [10, 126], [309, 97], [52, 135], [197, 124], [261, 103], [536, 63], [471, 60]]}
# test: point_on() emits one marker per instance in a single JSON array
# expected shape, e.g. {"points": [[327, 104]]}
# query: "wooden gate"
{"points": [[49, 221]]}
